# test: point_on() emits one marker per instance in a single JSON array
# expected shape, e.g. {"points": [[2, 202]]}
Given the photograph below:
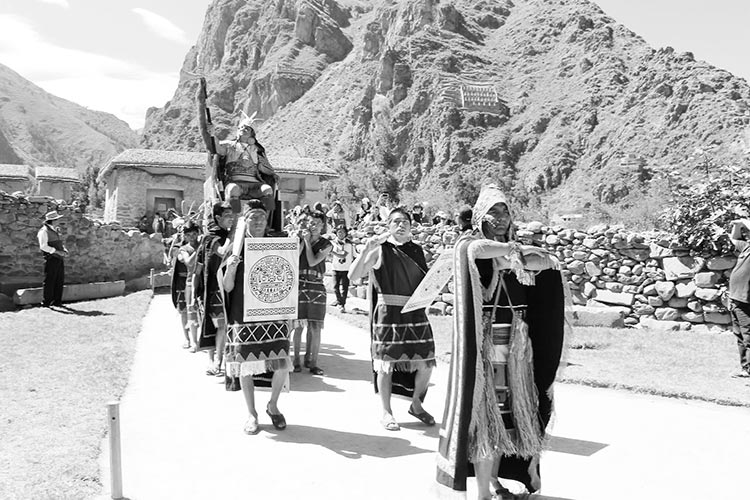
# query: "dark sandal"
{"points": [[297, 368], [277, 419], [316, 370], [423, 417]]}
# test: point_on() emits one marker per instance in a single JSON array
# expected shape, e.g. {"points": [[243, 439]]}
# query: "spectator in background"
{"points": [[373, 216], [416, 213], [385, 205], [739, 293], [342, 257], [183, 266], [158, 223], [54, 253], [143, 225], [362, 212], [464, 220], [337, 216]]}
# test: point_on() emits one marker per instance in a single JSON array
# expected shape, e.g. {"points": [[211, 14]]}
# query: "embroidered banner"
{"points": [[271, 279], [433, 282]]}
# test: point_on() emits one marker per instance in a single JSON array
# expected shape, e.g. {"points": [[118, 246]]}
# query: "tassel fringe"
{"points": [[524, 396]]}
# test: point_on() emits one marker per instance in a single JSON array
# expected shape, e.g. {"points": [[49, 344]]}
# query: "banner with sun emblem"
{"points": [[271, 279]]}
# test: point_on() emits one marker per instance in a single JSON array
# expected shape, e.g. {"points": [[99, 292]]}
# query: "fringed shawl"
{"points": [[471, 408]]}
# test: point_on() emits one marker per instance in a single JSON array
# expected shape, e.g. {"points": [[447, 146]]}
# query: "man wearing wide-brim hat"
{"points": [[54, 253]]}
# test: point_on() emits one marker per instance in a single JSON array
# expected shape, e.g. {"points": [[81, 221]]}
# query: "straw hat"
{"points": [[50, 216]]}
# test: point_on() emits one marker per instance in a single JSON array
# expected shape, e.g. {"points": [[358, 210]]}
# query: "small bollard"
{"points": [[115, 458]]}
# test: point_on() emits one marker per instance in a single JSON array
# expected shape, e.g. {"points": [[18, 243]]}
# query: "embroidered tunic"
{"points": [[252, 347], [400, 341], [312, 292]]}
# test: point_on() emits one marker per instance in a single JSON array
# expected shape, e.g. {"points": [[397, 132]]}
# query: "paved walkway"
{"points": [[182, 435]]}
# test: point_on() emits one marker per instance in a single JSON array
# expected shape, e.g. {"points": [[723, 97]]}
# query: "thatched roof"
{"points": [[191, 160], [57, 174], [8, 171]]}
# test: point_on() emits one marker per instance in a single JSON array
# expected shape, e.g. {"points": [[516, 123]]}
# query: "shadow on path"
{"points": [[79, 312], [349, 444], [574, 446]]}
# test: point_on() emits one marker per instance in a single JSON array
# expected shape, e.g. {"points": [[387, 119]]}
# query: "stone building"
{"points": [[56, 182], [16, 178], [142, 181]]}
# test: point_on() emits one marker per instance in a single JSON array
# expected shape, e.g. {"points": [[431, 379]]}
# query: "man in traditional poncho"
{"points": [[213, 248], [403, 349], [508, 337], [259, 347]]}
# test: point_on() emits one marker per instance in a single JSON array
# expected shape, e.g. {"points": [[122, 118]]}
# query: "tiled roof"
{"points": [[8, 171], [57, 174], [185, 159]]}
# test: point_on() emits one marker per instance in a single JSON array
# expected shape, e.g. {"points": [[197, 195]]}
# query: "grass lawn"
{"points": [[55, 381], [682, 364]]}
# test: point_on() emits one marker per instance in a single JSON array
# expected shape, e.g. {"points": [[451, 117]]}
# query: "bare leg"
{"points": [[384, 389], [420, 386], [313, 344], [296, 341], [277, 383], [185, 326], [193, 335], [308, 346], [248, 390], [485, 474], [221, 340]]}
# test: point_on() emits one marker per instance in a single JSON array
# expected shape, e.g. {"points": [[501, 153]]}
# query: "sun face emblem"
{"points": [[271, 279]]}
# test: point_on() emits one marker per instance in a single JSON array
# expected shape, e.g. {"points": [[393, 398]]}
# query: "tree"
{"points": [[703, 210]]}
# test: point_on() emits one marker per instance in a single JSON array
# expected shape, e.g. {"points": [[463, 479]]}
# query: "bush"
{"points": [[702, 211]]}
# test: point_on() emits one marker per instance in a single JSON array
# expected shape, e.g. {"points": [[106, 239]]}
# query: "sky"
{"points": [[124, 56]]}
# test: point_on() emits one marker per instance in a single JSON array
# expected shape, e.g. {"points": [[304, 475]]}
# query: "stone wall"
{"points": [[644, 278], [98, 252]]}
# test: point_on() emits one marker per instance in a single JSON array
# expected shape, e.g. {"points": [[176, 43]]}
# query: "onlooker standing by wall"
{"points": [[143, 225], [416, 213], [158, 224], [54, 252], [739, 293], [342, 257]]}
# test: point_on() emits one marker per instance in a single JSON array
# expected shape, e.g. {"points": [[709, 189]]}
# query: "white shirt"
{"points": [[43, 238]]}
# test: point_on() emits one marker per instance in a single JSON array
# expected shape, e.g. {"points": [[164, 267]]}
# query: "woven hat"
{"points": [[50, 216]]}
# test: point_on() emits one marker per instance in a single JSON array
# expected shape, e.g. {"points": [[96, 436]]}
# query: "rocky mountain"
{"points": [[567, 109], [40, 129]]}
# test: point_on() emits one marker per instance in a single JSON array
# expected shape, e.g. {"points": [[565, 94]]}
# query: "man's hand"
{"points": [[376, 241], [233, 261]]}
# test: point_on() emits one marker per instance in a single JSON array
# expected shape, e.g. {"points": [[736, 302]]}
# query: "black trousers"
{"points": [[54, 278], [740, 312], [341, 286]]}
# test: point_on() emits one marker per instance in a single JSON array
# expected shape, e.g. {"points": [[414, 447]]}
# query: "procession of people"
{"points": [[508, 328]]}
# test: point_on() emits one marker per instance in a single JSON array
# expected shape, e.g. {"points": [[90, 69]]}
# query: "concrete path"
{"points": [[182, 435]]}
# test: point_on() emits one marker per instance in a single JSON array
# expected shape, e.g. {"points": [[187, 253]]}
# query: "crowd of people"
{"points": [[507, 294]]}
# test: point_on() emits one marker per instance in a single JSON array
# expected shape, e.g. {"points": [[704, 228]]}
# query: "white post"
{"points": [[115, 458]]}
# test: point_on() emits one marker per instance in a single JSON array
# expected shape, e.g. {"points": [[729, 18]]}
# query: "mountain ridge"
{"points": [[589, 116]]}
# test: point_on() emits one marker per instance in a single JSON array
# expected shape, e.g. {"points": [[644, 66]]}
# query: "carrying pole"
{"points": [[115, 456]]}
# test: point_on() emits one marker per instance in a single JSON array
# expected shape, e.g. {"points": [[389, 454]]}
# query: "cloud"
{"points": [[59, 3], [98, 82], [161, 26]]}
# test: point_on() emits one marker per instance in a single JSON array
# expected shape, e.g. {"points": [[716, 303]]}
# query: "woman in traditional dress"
{"points": [[254, 348], [311, 309], [403, 349], [508, 338]]}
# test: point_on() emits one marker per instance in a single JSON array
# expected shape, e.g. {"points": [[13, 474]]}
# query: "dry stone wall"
{"points": [[98, 252], [641, 278]]}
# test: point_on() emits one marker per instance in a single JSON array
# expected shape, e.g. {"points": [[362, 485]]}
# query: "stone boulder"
{"points": [[664, 289], [721, 263], [614, 298], [677, 268], [610, 317]]}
